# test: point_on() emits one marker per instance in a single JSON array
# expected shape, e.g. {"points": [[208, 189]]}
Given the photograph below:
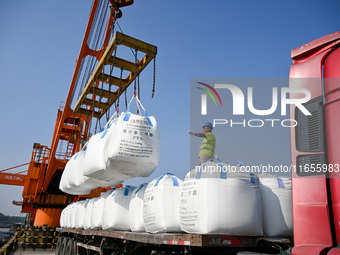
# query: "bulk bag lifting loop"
{"points": [[139, 106], [174, 179]]}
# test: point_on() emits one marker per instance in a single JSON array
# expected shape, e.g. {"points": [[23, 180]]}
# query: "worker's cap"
{"points": [[208, 124]]}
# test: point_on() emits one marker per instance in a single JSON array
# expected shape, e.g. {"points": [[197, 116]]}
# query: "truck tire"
{"points": [[57, 249], [69, 250], [64, 245]]}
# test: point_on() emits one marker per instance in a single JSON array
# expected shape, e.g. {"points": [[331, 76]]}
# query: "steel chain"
{"points": [[120, 84], [135, 73], [87, 114], [154, 76], [111, 72], [138, 88], [75, 129], [125, 99], [100, 97]]}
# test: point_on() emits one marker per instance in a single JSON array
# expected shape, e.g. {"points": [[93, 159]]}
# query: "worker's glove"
{"points": [[190, 132]]}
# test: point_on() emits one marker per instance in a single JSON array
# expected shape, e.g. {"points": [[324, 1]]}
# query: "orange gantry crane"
{"points": [[98, 92]]}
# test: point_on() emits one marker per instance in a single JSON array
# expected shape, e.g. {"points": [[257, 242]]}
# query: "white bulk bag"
{"points": [[219, 199], [72, 215], [66, 216], [75, 176], [73, 180], [116, 209], [88, 214], [95, 160], [69, 168], [80, 214], [97, 210], [136, 220], [131, 147], [62, 219], [276, 194], [161, 204]]}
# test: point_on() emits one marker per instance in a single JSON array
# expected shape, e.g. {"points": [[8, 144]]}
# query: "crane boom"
{"points": [[13, 178], [41, 184], [41, 194]]}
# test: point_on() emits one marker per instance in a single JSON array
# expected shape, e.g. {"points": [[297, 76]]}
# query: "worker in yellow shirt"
{"points": [[207, 148]]}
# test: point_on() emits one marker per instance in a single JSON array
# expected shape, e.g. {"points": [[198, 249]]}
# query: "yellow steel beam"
{"points": [[121, 63], [95, 114], [83, 106], [111, 79], [102, 92], [100, 105]]}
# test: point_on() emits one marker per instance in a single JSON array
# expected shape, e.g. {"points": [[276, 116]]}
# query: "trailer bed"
{"points": [[197, 240]]}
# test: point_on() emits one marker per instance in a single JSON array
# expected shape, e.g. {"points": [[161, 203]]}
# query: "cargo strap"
{"points": [[140, 187], [174, 179], [126, 191], [280, 183], [252, 177], [139, 106]]}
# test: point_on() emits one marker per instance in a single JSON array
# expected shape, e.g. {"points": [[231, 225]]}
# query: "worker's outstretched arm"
{"points": [[197, 134]]}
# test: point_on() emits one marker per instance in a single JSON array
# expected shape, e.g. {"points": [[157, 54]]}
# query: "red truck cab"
{"points": [[315, 147]]}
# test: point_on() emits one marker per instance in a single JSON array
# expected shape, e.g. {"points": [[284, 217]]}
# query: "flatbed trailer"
{"points": [[78, 241]]}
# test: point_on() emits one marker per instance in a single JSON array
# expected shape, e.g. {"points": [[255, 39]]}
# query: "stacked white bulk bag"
{"points": [[62, 220], [67, 173], [130, 145], [88, 214], [219, 199], [116, 209], [80, 214], [72, 215], [276, 194], [66, 216], [79, 184], [136, 220], [97, 210], [161, 204], [73, 180], [96, 159]]}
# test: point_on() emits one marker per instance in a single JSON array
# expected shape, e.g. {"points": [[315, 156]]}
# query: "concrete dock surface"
{"points": [[31, 251]]}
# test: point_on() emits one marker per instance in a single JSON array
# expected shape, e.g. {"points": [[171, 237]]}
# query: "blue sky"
{"points": [[40, 42]]}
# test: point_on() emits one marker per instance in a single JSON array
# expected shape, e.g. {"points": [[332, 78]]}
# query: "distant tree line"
{"points": [[12, 219]]}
